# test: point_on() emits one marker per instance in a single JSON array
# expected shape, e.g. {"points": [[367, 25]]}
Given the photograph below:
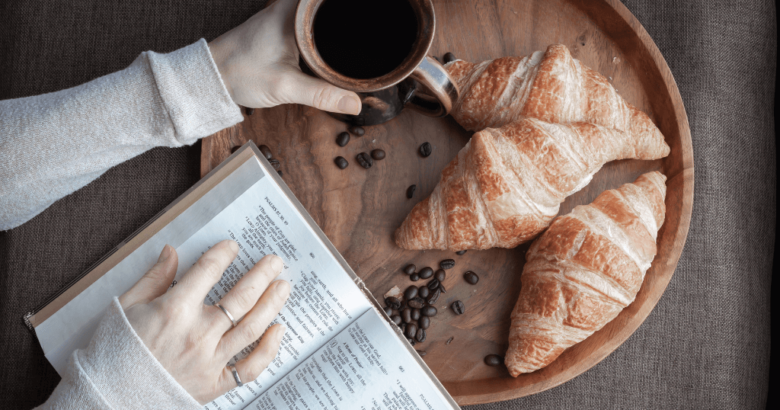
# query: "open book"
{"points": [[339, 351]]}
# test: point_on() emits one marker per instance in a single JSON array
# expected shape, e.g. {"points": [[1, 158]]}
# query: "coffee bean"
{"points": [[449, 57], [442, 288], [266, 151], [440, 275], [378, 154], [341, 162], [406, 315], [433, 284], [424, 322], [450, 340], [388, 310], [460, 252], [415, 314], [364, 160], [392, 303], [458, 307], [409, 269], [275, 163], [234, 149], [396, 319], [410, 292], [447, 264], [411, 329], [423, 292], [426, 149], [429, 311], [422, 353], [434, 296], [471, 277], [493, 360], [249, 111], [411, 341], [414, 277], [342, 139], [279, 172], [357, 130], [420, 336], [410, 191], [425, 273], [416, 303]]}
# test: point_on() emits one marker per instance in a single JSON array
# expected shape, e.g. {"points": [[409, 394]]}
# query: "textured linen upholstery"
{"points": [[705, 345]]}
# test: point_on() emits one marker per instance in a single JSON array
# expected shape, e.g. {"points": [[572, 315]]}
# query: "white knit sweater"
{"points": [[53, 144]]}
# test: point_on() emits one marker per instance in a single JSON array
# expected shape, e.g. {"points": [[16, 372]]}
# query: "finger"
{"points": [[299, 88], [155, 282], [247, 291], [253, 365], [256, 321], [206, 272]]}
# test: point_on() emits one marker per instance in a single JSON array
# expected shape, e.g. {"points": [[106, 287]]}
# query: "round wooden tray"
{"points": [[360, 209]]}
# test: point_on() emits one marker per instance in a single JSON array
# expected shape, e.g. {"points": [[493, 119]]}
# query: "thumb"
{"points": [[155, 282], [304, 89]]}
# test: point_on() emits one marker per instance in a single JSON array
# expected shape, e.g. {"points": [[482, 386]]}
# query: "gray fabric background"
{"points": [[706, 344]]}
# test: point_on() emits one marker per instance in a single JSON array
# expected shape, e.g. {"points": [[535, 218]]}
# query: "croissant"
{"points": [[583, 271], [551, 86], [507, 184]]}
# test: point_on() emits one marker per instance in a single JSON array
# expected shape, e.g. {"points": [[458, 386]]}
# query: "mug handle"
{"points": [[439, 91]]}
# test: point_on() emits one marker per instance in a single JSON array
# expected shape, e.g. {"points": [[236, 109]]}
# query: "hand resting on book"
{"points": [[194, 341]]}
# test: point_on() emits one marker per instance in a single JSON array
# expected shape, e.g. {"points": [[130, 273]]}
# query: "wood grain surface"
{"points": [[360, 209]]}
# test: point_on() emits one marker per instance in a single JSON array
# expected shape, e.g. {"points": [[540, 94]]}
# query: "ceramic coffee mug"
{"points": [[419, 81]]}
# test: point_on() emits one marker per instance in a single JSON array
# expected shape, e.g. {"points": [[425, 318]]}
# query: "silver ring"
{"points": [[235, 375], [233, 321]]}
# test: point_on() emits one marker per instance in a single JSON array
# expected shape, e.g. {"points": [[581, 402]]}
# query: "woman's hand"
{"points": [[258, 61], [194, 341]]}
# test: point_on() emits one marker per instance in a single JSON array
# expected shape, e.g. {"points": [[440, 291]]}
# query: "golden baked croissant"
{"points": [[551, 86], [507, 184], [584, 270]]}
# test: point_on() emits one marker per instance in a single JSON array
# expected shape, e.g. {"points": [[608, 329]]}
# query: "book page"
{"points": [[366, 366], [323, 300]]}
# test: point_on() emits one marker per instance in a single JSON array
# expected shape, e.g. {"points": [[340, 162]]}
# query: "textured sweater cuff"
{"points": [[125, 372], [193, 92]]}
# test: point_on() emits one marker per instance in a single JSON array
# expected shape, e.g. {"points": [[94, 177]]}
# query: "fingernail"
{"points": [[166, 252], [233, 246], [282, 289], [276, 264], [349, 105]]}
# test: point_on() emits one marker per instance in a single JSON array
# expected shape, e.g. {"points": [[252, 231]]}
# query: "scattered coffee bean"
{"points": [[460, 252], [426, 149], [440, 275], [342, 139], [416, 303], [249, 111], [422, 353], [425, 273], [415, 314], [411, 329], [389, 311], [424, 292], [378, 154], [420, 336], [442, 288], [414, 277], [429, 311], [275, 163], [434, 296], [450, 340], [393, 303], [410, 191], [396, 319], [266, 151], [341, 162], [493, 360], [411, 292], [471, 277], [447, 264], [424, 322], [364, 160], [433, 284], [234, 149], [406, 315], [449, 57], [458, 307], [357, 130], [409, 269]]}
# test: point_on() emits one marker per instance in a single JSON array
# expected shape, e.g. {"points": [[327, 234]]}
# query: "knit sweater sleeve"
{"points": [[117, 371], [53, 144]]}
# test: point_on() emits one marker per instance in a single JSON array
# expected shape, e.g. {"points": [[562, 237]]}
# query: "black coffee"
{"points": [[364, 38]]}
